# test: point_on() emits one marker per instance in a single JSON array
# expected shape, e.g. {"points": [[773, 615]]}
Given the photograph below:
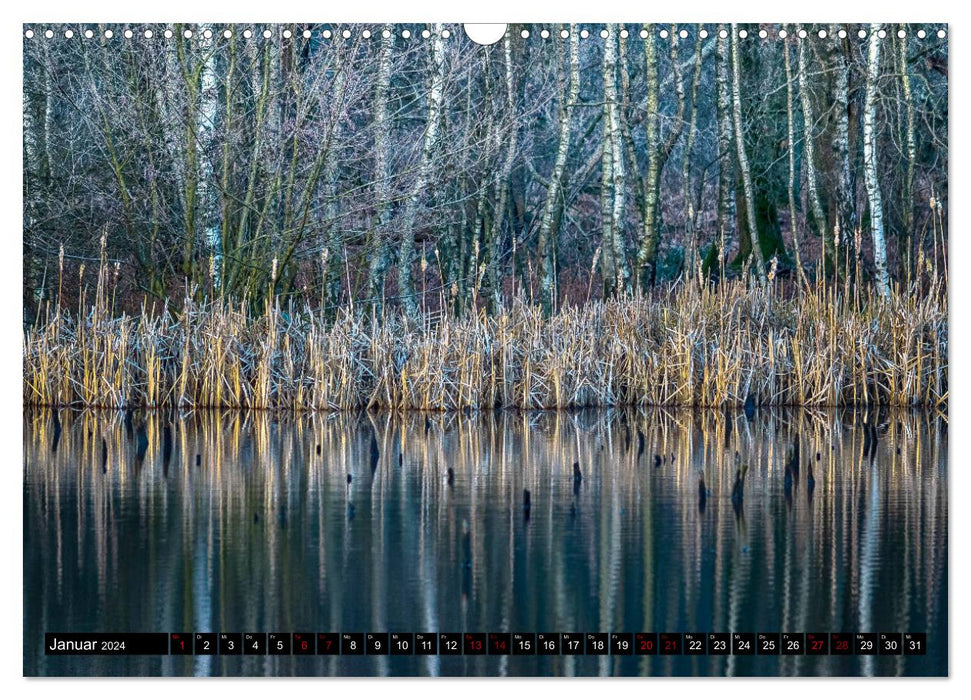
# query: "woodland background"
{"points": [[350, 165]]}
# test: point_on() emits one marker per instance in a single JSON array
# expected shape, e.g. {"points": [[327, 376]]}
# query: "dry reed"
{"points": [[707, 344]]}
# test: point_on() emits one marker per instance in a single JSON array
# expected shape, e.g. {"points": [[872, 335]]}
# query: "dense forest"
{"points": [[407, 165], [392, 215]]}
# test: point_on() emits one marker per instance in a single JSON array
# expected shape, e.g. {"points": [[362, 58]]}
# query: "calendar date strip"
{"points": [[486, 644]]}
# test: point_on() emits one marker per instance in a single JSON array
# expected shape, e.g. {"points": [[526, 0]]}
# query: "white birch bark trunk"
{"points": [[689, 206], [846, 206], [547, 246], [618, 177], [502, 184], [793, 224], [743, 165], [809, 139], [870, 161], [911, 151], [406, 251], [382, 173], [726, 160]]}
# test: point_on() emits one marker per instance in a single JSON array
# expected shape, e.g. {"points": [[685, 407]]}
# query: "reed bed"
{"points": [[692, 344]]}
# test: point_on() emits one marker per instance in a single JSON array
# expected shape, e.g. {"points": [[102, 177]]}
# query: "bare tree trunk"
{"points": [[753, 229], [406, 251], [870, 162], [792, 162], [726, 159], [608, 258], [205, 128], [846, 218], [474, 240], [691, 243], [261, 95], [911, 151], [225, 196], [334, 243], [618, 178], [647, 253], [493, 274], [547, 232], [37, 105], [809, 139], [657, 153], [380, 253]]}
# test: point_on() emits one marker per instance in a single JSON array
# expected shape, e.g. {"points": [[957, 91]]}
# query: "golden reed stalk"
{"points": [[688, 345]]}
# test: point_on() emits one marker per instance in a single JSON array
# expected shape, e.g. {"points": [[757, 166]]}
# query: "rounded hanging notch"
{"points": [[485, 34]]}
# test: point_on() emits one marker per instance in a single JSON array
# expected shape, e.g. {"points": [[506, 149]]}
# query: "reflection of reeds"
{"points": [[690, 345], [261, 520]]}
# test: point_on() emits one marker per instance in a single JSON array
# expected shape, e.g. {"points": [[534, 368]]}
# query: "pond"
{"points": [[263, 522]]}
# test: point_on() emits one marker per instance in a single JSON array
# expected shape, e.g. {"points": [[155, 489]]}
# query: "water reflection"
{"points": [[373, 522]]}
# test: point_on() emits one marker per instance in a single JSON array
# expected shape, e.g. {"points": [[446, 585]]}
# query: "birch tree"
{"points": [[37, 106], [689, 206], [617, 279], [502, 185], [910, 153], [809, 142], [846, 216], [790, 121], [547, 232], [406, 251], [657, 152], [743, 165], [380, 227], [726, 158], [870, 161]]}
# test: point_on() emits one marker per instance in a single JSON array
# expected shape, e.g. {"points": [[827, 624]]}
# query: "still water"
{"points": [[247, 522]]}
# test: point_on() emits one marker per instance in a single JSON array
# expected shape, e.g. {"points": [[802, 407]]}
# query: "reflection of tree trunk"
{"points": [[382, 173], [743, 166], [406, 251], [870, 161], [911, 152], [547, 231], [726, 159], [792, 161]]}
